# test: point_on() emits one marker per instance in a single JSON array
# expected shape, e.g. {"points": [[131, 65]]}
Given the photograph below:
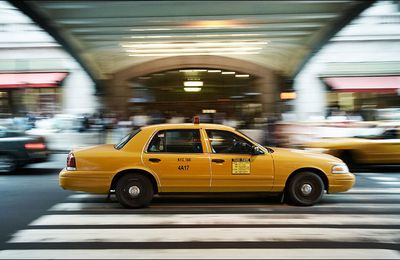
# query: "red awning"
{"points": [[389, 84], [31, 79]]}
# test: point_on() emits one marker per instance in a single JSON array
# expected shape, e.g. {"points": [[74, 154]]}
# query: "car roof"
{"points": [[189, 126]]}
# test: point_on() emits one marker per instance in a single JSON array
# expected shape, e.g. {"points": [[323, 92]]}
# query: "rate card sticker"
{"points": [[240, 166]]}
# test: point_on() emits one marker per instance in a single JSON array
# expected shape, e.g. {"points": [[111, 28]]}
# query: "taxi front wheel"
{"points": [[305, 189], [134, 191]]}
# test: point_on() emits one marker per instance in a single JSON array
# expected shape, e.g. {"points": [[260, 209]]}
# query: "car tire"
{"points": [[134, 191], [7, 163], [305, 189]]}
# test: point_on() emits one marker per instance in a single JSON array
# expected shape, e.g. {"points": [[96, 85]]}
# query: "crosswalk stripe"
{"points": [[373, 191], [297, 253], [356, 206], [77, 206], [370, 191], [383, 178], [205, 235], [389, 182], [361, 197], [216, 219], [88, 196]]}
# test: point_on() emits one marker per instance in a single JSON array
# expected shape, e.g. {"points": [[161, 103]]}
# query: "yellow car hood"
{"points": [[336, 142], [297, 154]]}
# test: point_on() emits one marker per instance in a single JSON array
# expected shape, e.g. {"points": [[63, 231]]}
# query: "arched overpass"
{"points": [[118, 40]]}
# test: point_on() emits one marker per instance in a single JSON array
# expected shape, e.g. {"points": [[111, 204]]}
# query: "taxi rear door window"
{"points": [[176, 141]]}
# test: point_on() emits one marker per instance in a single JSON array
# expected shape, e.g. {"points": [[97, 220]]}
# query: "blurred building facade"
{"points": [[368, 47], [36, 75], [357, 71]]}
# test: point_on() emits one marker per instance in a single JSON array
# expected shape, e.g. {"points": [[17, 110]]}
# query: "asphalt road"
{"points": [[40, 220]]}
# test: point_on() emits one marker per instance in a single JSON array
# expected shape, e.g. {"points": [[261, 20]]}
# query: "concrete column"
{"points": [[268, 88], [116, 96]]}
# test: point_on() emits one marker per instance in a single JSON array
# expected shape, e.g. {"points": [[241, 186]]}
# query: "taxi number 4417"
{"points": [[183, 167]]}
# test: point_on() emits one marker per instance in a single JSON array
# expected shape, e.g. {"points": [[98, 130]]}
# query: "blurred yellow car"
{"points": [[176, 158], [378, 149]]}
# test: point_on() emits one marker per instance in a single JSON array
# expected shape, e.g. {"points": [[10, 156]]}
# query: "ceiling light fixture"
{"points": [[209, 111], [193, 50], [193, 53], [192, 89], [151, 37], [197, 36], [193, 70], [150, 29], [193, 83], [214, 24], [252, 94], [214, 71], [149, 45], [228, 72], [288, 95], [242, 75]]}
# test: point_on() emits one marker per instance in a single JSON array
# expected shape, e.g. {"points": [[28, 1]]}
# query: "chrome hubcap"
{"points": [[306, 189], [134, 191]]}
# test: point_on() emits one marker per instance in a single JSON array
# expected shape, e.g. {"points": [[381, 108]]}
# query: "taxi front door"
{"points": [[234, 168], [178, 159]]}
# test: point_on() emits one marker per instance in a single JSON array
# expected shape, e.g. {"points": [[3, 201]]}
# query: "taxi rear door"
{"points": [[178, 158], [234, 168]]}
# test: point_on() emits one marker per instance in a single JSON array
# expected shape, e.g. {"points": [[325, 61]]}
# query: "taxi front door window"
{"points": [[225, 142]]}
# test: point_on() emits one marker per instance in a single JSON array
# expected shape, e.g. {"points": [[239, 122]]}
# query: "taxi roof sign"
{"points": [[196, 120]]}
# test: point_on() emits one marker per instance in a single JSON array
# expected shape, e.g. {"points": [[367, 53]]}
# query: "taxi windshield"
{"points": [[126, 139]]}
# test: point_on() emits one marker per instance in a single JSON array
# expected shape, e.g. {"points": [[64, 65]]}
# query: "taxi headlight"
{"points": [[340, 168]]}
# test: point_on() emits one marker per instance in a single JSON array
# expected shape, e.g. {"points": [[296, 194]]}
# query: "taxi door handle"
{"points": [[154, 160], [218, 160]]}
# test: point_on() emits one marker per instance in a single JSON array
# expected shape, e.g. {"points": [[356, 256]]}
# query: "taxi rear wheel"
{"points": [[305, 189], [134, 191]]}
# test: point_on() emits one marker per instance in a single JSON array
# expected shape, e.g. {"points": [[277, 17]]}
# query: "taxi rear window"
{"points": [[176, 141], [126, 139]]}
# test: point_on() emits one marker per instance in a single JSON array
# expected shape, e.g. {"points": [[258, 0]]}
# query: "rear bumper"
{"points": [[84, 181], [341, 182], [27, 157], [39, 156]]}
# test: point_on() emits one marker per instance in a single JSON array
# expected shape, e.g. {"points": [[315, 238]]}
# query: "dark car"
{"points": [[18, 149]]}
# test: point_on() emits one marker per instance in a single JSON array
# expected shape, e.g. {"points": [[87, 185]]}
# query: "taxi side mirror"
{"points": [[256, 150]]}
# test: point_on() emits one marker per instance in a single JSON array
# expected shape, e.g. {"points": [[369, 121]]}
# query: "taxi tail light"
{"points": [[71, 162], [35, 146]]}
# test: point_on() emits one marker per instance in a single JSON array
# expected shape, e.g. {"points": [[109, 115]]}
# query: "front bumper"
{"points": [[341, 182], [84, 181]]}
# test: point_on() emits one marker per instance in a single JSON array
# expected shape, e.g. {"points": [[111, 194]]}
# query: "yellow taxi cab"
{"points": [[181, 158], [377, 149]]}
